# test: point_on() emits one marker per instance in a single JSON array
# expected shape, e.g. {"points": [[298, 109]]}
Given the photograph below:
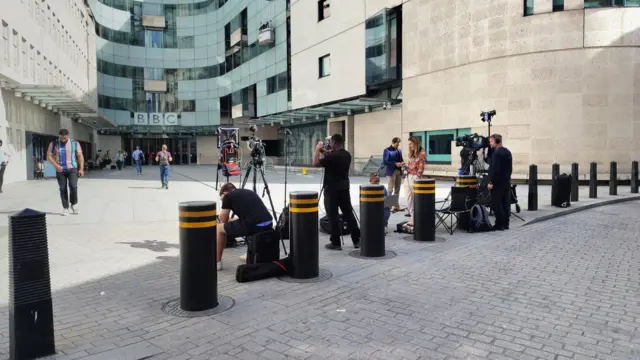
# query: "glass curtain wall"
{"points": [[300, 145]]}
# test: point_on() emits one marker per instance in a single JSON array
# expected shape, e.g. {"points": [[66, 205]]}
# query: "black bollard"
{"points": [[424, 208], [533, 188], [30, 306], [575, 189], [555, 171], [613, 178], [593, 181], [634, 177], [304, 235], [372, 220], [198, 239]]}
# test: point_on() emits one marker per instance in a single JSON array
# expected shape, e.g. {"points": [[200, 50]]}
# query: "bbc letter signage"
{"points": [[155, 119]]}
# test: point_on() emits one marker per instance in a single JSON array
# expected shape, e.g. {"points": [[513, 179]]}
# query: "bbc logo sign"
{"points": [[155, 119]]}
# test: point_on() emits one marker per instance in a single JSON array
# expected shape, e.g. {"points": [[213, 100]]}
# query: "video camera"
{"points": [[255, 144], [327, 144], [473, 141]]}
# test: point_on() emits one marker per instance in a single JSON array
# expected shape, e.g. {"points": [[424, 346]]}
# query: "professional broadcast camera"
{"points": [[255, 146], [473, 141]]}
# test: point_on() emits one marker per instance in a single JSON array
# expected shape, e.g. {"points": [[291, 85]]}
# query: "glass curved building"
{"points": [[172, 71]]}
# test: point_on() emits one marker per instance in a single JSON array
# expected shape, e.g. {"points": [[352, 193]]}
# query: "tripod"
{"points": [[257, 165]]}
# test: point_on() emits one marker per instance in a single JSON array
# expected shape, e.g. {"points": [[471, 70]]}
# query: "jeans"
{"points": [[139, 166], [394, 182], [164, 174], [341, 199], [3, 167], [387, 215], [501, 204], [68, 177]]}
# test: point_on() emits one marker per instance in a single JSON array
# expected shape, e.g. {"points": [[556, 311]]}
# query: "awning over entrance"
{"points": [[61, 100], [323, 112]]}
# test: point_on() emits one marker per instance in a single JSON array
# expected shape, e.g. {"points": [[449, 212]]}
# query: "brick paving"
{"points": [[562, 289]]}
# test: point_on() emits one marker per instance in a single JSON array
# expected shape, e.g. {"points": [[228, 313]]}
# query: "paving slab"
{"points": [[565, 287]]}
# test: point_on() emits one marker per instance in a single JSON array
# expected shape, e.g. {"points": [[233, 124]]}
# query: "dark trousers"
{"points": [[501, 204], [341, 199], [2, 169], [119, 164], [68, 177]]}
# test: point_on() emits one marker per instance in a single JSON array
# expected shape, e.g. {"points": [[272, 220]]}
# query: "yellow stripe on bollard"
{"points": [[197, 225], [424, 186], [303, 210], [197, 214], [378, 199], [425, 192], [371, 192], [303, 201]]}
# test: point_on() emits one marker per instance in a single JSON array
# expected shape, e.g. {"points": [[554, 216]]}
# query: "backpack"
{"points": [[325, 225], [163, 158], [480, 221], [283, 224]]}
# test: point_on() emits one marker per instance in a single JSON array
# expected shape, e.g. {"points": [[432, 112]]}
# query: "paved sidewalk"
{"points": [[563, 289]]}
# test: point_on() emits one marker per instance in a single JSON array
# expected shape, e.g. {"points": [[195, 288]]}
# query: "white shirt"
{"points": [[4, 157]]}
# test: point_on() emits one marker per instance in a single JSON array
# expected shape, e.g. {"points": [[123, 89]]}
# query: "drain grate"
{"points": [[173, 308]]}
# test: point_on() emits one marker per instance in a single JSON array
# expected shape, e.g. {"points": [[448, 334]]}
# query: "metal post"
{"points": [[424, 197], [198, 243], [555, 171], [304, 235], [575, 189], [613, 178], [533, 188], [372, 220], [593, 181], [31, 329], [634, 177]]}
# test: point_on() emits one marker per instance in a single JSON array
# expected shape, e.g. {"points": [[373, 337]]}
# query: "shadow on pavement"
{"points": [[153, 245]]}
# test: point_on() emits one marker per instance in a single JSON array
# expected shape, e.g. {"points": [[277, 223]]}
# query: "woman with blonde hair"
{"points": [[163, 158], [413, 169]]}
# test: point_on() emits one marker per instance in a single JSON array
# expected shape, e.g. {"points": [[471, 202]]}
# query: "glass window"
{"points": [[324, 9], [152, 9], [558, 5], [153, 38], [610, 3], [154, 73], [185, 42], [283, 79], [25, 58], [528, 7], [437, 143], [271, 85], [16, 49], [325, 66]]}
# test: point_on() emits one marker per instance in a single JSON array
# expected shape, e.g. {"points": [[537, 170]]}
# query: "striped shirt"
{"points": [[66, 152]]}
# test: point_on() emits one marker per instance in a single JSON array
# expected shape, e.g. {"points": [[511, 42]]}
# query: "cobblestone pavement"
{"points": [[567, 288]]}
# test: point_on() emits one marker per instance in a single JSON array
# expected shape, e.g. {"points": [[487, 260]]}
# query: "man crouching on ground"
{"points": [[252, 216]]}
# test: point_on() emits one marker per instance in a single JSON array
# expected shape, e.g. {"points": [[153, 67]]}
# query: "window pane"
{"points": [[528, 7], [558, 5]]}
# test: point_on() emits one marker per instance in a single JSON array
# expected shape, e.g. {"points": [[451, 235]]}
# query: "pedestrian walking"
{"points": [[65, 154], [164, 159], [4, 161], [138, 158]]}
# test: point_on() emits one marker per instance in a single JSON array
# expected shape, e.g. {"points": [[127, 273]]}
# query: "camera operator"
{"points": [[252, 216], [336, 161], [500, 182]]}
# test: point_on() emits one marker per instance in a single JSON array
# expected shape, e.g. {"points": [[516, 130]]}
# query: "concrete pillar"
{"points": [[542, 6]]}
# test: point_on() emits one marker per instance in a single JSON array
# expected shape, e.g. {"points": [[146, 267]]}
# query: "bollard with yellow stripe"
{"points": [[467, 181], [424, 210], [198, 275], [372, 243], [305, 256]]}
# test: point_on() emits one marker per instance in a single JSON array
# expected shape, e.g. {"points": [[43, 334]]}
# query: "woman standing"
{"points": [[163, 158], [414, 170]]}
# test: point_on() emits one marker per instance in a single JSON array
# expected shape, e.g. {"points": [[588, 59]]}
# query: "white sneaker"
{"points": [[243, 258], [65, 212], [74, 209], [219, 266]]}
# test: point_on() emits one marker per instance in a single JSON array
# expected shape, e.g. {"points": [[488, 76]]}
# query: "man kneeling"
{"points": [[252, 216]]}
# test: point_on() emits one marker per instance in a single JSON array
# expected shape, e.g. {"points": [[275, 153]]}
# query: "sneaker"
{"points": [[65, 212], [74, 209], [333, 247], [243, 258], [356, 244], [166, 186], [219, 266]]}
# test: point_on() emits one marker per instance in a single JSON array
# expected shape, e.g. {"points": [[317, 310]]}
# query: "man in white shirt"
{"points": [[4, 161]]}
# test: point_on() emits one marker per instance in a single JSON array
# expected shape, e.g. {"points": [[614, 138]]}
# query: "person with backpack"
{"points": [[163, 158], [65, 154]]}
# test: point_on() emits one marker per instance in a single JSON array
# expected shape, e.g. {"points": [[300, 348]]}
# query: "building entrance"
{"points": [[183, 149]]}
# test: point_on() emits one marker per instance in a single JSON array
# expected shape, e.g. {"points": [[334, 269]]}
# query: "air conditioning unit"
{"points": [[266, 35]]}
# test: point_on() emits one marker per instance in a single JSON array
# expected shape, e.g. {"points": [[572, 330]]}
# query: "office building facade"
{"points": [[563, 76], [47, 80], [172, 72]]}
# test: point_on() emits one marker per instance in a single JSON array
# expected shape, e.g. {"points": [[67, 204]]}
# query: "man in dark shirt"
{"points": [[500, 182], [252, 216], [336, 164]]}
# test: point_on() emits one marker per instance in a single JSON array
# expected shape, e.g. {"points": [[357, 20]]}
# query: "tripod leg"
{"points": [[255, 179], [246, 177], [217, 175], [273, 208]]}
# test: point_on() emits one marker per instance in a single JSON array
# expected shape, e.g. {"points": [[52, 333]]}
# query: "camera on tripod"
{"points": [[473, 141], [255, 145]]}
